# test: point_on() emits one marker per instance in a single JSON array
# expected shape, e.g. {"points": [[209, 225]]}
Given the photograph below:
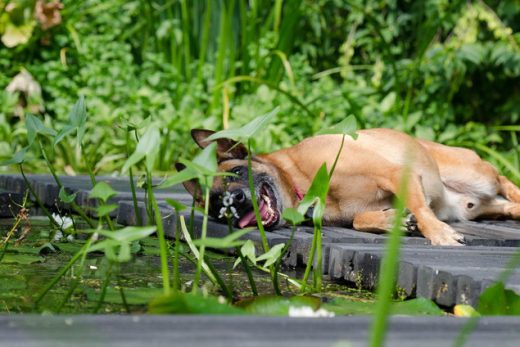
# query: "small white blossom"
{"points": [[70, 237], [63, 221], [306, 311], [92, 267], [58, 236], [228, 210]]}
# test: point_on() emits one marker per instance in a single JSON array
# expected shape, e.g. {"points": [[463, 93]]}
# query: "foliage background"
{"points": [[443, 70]]}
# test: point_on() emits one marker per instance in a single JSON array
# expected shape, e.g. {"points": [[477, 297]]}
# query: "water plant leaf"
{"points": [[104, 210], [248, 131], [497, 300], [34, 127], [23, 259], [189, 303], [317, 193], [419, 306], [102, 191], [229, 241], [293, 216], [133, 296], [175, 204], [17, 158], [65, 197], [272, 255], [347, 126], [117, 245], [148, 147], [77, 121]]}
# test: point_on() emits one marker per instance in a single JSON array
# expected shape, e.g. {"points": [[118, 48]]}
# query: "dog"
{"points": [[444, 184]]}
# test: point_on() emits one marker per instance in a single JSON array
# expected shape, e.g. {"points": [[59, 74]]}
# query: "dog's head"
{"points": [[230, 196]]}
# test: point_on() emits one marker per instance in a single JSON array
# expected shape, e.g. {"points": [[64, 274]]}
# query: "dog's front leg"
{"points": [[438, 232]]}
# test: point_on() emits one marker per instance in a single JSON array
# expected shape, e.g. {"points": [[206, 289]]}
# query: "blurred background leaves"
{"points": [[442, 70]]}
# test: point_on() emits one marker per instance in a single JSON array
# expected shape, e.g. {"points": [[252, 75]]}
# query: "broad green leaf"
{"points": [[317, 191], [347, 126], [102, 191], [104, 210], [77, 120], [133, 296], [207, 159], [66, 197], [148, 147], [293, 216], [272, 255], [248, 131], [35, 126], [24, 259], [414, 307], [17, 158], [248, 250], [179, 177], [188, 303], [231, 240], [175, 204], [497, 300], [278, 305], [127, 234]]}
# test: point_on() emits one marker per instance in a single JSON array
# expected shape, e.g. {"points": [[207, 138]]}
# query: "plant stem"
{"points": [[202, 237], [104, 287], [243, 260], [75, 207], [162, 241], [132, 184], [38, 201]]}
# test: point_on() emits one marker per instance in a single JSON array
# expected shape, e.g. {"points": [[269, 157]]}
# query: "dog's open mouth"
{"points": [[267, 208]]}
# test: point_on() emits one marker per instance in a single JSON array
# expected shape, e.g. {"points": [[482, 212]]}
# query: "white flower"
{"points": [[63, 221], [58, 236], [306, 311], [227, 199]]}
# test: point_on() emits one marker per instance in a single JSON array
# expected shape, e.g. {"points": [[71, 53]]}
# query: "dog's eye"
{"points": [[239, 171]]}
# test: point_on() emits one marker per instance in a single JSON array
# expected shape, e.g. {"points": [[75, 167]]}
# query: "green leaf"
{"points": [[133, 296], [179, 177], [317, 192], [347, 126], [127, 234], [23, 259], [14, 35], [293, 216], [414, 307], [465, 311], [77, 121], [148, 147], [248, 250], [17, 158], [248, 131], [35, 126], [175, 204], [65, 197], [188, 303], [104, 210], [272, 255], [102, 191], [497, 300], [229, 241]]}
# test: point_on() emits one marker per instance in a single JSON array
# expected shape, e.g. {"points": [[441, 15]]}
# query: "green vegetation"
{"points": [[146, 72], [443, 70]]}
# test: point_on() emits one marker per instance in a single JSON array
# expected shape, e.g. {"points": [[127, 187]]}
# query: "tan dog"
{"points": [[445, 183]]}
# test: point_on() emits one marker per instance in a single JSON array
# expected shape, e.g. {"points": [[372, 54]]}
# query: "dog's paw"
{"points": [[444, 235], [410, 224]]}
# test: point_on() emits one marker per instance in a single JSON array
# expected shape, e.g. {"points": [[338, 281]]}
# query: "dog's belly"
{"points": [[355, 194]]}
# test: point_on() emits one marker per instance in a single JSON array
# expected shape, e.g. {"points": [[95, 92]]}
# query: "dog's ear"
{"points": [[192, 186], [226, 148]]}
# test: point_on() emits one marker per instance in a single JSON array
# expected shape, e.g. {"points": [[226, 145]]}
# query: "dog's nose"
{"points": [[238, 196]]}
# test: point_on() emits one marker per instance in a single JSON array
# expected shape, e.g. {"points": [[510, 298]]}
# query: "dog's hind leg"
{"points": [[418, 203], [508, 189], [499, 208]]}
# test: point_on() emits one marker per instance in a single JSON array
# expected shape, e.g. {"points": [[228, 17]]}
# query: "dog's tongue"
{"points": [[249, 218]]}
